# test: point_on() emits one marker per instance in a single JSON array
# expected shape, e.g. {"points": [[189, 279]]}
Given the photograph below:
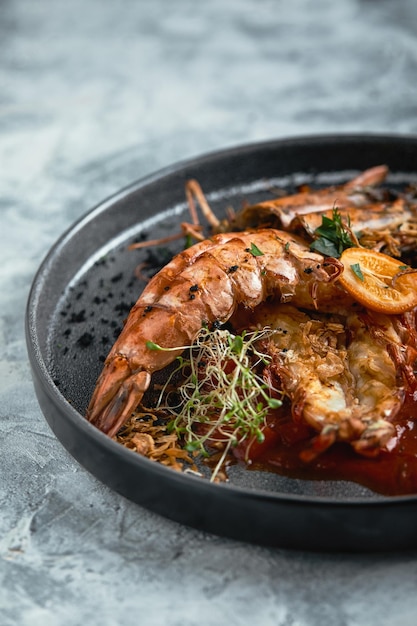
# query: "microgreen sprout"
{"points": [[223, 400]]}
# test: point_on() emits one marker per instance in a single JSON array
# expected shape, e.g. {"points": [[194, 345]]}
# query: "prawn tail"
{"points": [[117, 393]]}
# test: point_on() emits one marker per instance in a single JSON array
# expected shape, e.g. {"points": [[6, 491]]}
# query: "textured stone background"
{"points": [[95, 94]]}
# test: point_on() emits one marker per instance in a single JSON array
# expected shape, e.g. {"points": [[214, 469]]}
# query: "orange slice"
{"points": [[378, 281]]}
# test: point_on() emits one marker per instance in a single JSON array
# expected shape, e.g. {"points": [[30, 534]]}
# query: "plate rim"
{"points": [[40, 367]]}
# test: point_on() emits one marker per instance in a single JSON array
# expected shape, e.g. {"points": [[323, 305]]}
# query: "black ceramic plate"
{"points": [[82, 293]]}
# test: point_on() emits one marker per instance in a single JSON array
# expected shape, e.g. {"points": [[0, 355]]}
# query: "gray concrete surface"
{"points": [[93, 95]]}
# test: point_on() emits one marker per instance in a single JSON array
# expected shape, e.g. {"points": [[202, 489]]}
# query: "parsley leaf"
{"points": [[356, 269], [255, 250], [324, 246], [332, 236]]}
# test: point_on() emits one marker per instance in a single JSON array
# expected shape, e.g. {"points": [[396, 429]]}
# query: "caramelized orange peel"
{"points": [[378, 281]]}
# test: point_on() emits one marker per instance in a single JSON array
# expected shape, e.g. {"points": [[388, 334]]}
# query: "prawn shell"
{"points": [[204, 284]]}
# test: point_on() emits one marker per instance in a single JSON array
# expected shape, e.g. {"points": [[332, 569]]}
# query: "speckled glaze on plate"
{"points": [[83, 291]]}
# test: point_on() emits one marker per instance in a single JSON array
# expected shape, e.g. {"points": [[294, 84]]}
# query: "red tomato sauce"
{"points": [[391, 472]]}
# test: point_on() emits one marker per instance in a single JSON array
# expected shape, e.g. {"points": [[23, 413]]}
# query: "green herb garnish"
{"points": [[356, 269], [188, 241], [255, 250], [333, 236], [153, 346], [223, 392]]}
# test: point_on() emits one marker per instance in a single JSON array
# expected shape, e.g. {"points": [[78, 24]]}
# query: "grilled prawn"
{"points": [[283, 212], [378, 220], [346, 376], [200, 286]]}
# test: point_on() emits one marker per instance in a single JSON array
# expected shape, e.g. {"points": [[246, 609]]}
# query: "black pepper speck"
{"points": [[85, 340], [77, 318]]}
